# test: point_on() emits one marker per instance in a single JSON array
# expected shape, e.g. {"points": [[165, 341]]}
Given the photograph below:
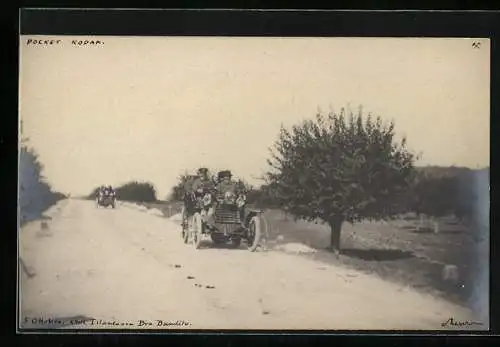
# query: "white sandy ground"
{"points": [[124, 265]]}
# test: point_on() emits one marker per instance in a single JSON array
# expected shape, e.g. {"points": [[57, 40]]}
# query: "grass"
{"points": [[394, 250]]}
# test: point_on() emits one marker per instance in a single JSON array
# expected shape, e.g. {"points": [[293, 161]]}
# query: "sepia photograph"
{"points": [[256, 183]]}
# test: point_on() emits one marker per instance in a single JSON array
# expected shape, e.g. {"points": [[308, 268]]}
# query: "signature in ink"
{"points": [[452, 322]]}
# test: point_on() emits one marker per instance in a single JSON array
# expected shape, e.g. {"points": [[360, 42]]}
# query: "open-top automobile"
{"points": [[234, 221]]}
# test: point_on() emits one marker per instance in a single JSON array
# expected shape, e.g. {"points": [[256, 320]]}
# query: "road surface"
{"points": [[123, 268]]}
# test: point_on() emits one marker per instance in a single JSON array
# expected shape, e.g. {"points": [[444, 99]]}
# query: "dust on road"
{"points": [[123, 268]]}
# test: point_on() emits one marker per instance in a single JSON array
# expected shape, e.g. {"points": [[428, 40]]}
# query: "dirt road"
{"points": [[123, 268]]}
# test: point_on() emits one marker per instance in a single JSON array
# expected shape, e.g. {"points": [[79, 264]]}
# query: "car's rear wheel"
{"points": [[185, 229]]}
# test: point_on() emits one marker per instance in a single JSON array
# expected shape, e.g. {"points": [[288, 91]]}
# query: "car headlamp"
{"points": [[241, 201], [207, 199]]}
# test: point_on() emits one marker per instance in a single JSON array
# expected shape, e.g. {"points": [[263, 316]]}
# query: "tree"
{"points": [[183, 185], [472, 195], [440, 191], [35, 193], [340, 170], [435, 196], [243, 186], [261, 196], [136, 191]]}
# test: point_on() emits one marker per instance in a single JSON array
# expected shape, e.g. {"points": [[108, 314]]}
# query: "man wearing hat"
{"points": [[225, 184], [202, 184], [202, 181]]}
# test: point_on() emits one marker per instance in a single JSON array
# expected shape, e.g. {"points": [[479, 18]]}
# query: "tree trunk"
{"points": [[335, 226]]}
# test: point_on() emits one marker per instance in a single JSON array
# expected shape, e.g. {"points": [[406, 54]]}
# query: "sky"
{"points": [[149, 108]]}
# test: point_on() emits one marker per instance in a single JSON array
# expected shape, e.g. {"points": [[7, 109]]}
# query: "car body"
{"points": [[234, 221], [106, 198]]}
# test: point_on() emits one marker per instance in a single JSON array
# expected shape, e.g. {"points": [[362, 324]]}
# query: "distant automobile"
{"points": [[106, 197]]}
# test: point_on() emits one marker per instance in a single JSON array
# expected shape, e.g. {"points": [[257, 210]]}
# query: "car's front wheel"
{"points": [[254, 233], [197, 230]]}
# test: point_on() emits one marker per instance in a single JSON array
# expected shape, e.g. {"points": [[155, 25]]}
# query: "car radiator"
{"points": [[227, 216]]}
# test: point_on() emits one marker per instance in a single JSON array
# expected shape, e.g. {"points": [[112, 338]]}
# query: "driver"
{"points": [[225, 184], [201, 185]]}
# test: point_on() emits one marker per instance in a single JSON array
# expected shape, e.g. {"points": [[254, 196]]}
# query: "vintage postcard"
{"points": [[190, 183]]}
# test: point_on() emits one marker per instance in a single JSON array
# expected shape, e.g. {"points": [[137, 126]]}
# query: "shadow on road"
{"points": [[377, 254], [208, 244]]}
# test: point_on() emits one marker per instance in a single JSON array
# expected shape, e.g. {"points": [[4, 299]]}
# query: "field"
{"points": [[394, 250]]}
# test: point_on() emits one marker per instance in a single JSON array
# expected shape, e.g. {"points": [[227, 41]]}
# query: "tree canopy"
{"points": [[136, 191], [35, 193], [340, 168], [183, 185]]}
